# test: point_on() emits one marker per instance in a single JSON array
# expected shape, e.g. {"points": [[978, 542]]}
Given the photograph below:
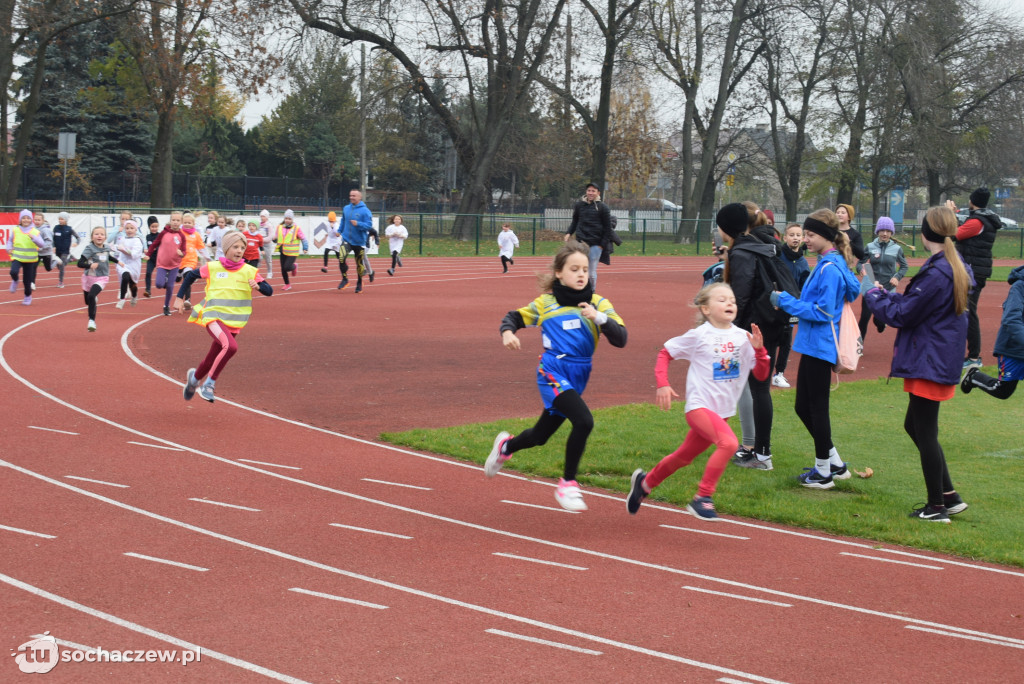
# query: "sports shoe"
{"points": [[752, 461], [206, 391], [33, 286], [815, 480], [190, 384], [931, 514], [967, 384], [187, 305], [14, 285], [399, 260], [840, 472], [569, 496], [135, 300], [702, 507], [286, 288], [972, 363], [359, 289], [779, 380], [92, 326], [120, 304], [323, 270], [512, 262], [742, 454], [954, 504], [147, 294], [497, 457], [373, 274], [27, 301], [391, 271], [61, 284], [343, 284], [167, 311], [636, 491]]}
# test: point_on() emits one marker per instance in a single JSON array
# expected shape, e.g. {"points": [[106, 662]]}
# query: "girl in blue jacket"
{"points": [[1009, 345], [932, 319], [821, 302]]}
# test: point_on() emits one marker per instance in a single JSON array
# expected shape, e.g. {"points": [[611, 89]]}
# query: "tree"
{"points": [[327, 157], [634, 138]]}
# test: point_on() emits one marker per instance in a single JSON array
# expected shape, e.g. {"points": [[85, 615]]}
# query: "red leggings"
{"points": [[706, 428], [222, 349]]}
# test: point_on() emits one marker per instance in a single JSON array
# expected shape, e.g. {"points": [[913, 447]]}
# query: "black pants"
{"points": [[761, 394], [785, 344], [28, 274], [865, 318], [812, 394], [90, 300], [575, 409], [973, 326], [150, 267], [505, 261], [287, 264], [999, 389], [356, 252], [255, 263], [922, 424], [396, 260], [327, 253], [128, 284]]}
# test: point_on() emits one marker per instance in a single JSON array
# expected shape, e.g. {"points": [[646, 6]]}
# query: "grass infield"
{"points": [[981, 437]]}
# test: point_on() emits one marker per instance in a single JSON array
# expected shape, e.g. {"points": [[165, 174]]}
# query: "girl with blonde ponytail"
{"points": [[932, 319]]}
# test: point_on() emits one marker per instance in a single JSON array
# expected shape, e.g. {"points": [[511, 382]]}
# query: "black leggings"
{"points": [[573, 407], [396, 260], [785, 343], [865, 318], [128, 284], [356, 252], [1000, 389], [28, 274], [150, 267], [922, 424], [761, 394], [90, 300], [327, 252], [973, 325], [287, 264], [505, 261], [812, 389]]}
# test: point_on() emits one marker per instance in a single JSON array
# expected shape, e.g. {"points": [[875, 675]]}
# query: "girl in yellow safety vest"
{"points": [[23, 245], [288, 238], [224, 311]]}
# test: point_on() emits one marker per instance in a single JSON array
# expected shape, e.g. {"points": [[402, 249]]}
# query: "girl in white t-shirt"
{"points": [[721, 357], [396, 234], [507, 243]]}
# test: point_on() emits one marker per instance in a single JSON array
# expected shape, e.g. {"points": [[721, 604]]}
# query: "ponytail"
{"points": [[943, 221], [842, 243]]}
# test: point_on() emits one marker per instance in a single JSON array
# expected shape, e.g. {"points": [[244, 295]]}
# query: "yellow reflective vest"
{"points": [[228, 297], [24, 250], [288, 240]]}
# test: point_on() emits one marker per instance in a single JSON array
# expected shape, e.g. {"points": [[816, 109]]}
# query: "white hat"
{"points": [[265, 213], [288, 213], [64, 215]]}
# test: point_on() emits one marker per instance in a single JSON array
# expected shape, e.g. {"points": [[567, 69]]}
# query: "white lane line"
{"points": [[63, 432], [28, 532], [997, 642], [397, 484], [156, 446], [271, 465], [716, 534], [332, 597], [537, 560], [225, 505], [543, 508], [166, 562], [737, 596], [545, 642], [890, 560], [363, 529], [730, 680], [102, 482], [121, 622]]}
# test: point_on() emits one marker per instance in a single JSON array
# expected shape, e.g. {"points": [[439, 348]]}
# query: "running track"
{"points": [[308, 551]]}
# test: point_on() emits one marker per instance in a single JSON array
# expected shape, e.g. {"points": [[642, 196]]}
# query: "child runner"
{"points": [[211, 225], [95, 259], [240, 225], [167, 250], [571, 318], [887, 263], [63, 234], [126, 215], [129, 265], [396, 233], [793, 256], [721, 356], [152, 236], [47, 256], [507, 242], [1009, 349], [372, 239], [330, 242], [224, 310], [288, 238], [821, 302], [23, 245], [195, 249], [932, 319], [267, 232], [213, 236], [253, 245]]}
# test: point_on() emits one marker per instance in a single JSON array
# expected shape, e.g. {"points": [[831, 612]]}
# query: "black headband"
{"points": [[929, 234], [821, 228]]}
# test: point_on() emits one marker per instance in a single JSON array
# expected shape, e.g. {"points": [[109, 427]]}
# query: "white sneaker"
{"points": [[569, 496], [135, 300], [496, 458], [779, 380], [60, 285], [120, 304], [33, 287], [92, 326]]}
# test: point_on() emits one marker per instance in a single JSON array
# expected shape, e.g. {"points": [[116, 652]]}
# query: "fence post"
{"points": [[696, 233], [421, 234], [478, 235], [533, 248], [643, 241]]}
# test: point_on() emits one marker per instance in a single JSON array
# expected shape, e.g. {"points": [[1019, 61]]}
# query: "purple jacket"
{"points": [[931, 338]]}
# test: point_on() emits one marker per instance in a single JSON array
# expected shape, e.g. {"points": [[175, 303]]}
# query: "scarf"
{"points": [[230, 265], [791, 254], [187, 231], [566, 296]]}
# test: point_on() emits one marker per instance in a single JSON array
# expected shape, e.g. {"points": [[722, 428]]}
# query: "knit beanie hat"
{"points": [[733, 219], [64, 215], [331, 216], [231, 237], [849, 210], [151, 220], [885, 223], [980, 197], [265, 214], [24, 213], [771, 216], [288, 213]]}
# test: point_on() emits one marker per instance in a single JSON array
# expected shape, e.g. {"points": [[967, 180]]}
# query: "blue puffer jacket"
{"points": [[1010, 340], [931, 338], [820, 301]]}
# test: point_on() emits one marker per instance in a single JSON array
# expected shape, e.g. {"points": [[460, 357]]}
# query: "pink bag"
{"points": [[849, 343]]}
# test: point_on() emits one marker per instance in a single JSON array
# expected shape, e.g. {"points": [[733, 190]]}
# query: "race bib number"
{"points": [[571, 324], [223, 274]]}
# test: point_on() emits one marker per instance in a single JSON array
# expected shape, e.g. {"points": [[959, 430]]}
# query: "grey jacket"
{"points": [[886, 260], [97, 255]]}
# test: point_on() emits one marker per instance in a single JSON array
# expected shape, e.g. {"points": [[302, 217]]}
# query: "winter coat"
{"points": [[931, 338], [1010, 339], [886, 260], [591, 222], [977, 251], [821, 301], [746, 285], [797, 264]]}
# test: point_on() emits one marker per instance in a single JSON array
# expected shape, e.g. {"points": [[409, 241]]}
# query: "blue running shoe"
{"points": [[190, 384], [702, 507], [636, 491], [815, 480]]}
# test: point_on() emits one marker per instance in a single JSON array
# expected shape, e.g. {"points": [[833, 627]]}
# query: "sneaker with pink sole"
{"points": [[569, 496], [498, 456]]}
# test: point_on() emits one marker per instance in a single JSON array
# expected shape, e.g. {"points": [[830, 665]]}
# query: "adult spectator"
{"points": [[592, 225], [845, 214], [355, 228], [974, 240]]}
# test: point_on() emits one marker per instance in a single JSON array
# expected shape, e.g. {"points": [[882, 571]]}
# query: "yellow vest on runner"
{"points": [[24, 250], [288, 240], [228, 297]]}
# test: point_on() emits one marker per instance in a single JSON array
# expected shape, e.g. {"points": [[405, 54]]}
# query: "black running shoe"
{"points": [[967, 384], [931, 514], [954, 504], [636, 491]]}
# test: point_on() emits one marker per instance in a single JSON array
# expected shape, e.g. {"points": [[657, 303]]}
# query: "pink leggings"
{"points": [[706, 428], [221, 351]]}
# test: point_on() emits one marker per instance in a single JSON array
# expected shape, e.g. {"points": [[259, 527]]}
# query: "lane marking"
{"points": [[397, 484], [545, 642], [737, 596], [891, 560], [174, 641], [166, 562], [537, 560], [225, 505], [715, 534], [363, 529], [63, 432], [730, 680], [997, 642], [102, 482], [157, 446], [365, 604], [543, 508], [271, 465], [28, 532]]}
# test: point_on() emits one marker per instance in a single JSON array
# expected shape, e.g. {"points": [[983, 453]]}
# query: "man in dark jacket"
{"points": [[974, 240], [591, 224]]}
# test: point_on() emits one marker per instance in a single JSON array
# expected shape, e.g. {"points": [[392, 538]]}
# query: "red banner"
{"points": [[8, 220]]}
